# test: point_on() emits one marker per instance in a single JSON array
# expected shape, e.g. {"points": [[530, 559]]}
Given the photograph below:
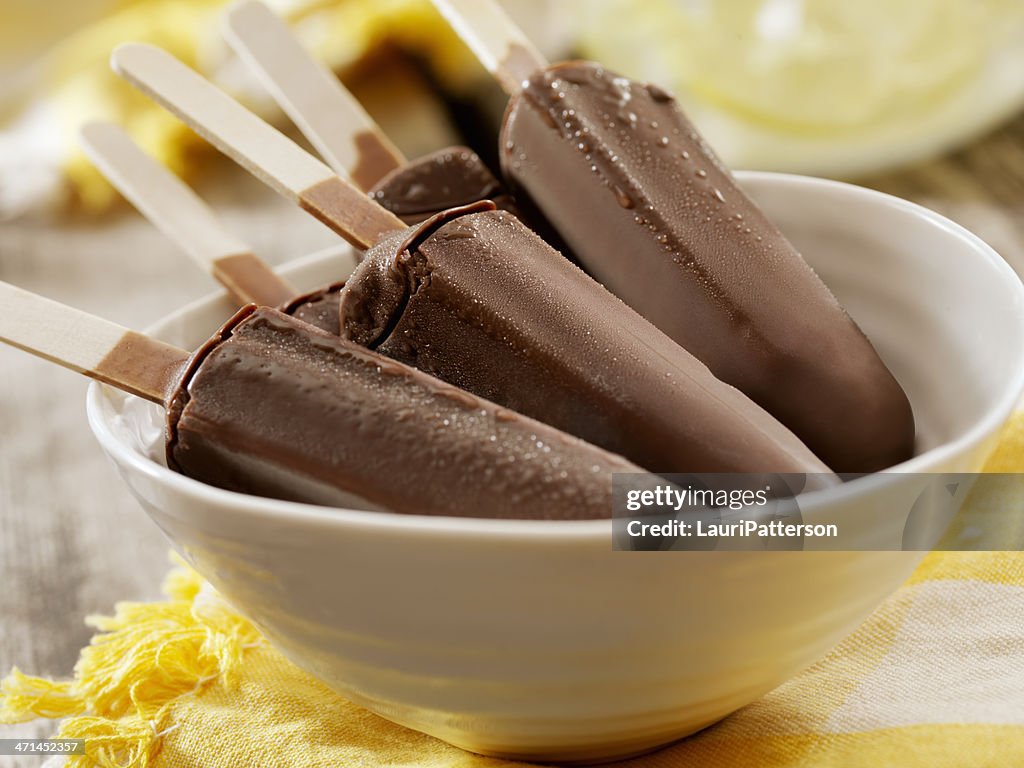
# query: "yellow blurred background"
{"points": [[830, 87]]}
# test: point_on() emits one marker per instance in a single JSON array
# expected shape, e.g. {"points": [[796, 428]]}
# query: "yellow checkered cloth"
{"points": [[934, 679]]}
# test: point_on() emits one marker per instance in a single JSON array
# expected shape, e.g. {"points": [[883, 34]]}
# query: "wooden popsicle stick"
{"points": [[258, 147], [182, 216], [327, 114], [495, 39], [89, 345]]}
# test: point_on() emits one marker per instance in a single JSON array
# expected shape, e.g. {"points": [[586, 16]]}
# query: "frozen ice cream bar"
{"points": [[652, 214], [274, 407], [448, 178], [476, 299]]}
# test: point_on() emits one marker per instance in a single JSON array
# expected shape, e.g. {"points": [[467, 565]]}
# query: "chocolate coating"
{"points": [[274, 407], [476, 299], [445, 179], [649, 210], [319, 308]]}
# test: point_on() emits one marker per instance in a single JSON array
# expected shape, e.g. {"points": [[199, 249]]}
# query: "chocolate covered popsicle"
{"points": [[476, 299], [275, 407], [278, 408], [342, 132], [530, 326], [649, 210]]}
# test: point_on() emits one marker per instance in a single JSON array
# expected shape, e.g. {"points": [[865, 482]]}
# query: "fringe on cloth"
{"points": [[143, 658]]}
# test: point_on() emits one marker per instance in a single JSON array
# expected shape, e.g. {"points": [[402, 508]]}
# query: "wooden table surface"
{"points": [[73, 541]]}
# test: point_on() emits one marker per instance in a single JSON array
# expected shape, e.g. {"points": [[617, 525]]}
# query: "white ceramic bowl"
{"points": [[535, 639]]}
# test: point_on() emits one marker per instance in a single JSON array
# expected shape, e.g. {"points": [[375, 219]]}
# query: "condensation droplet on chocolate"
{"points": [[658, 94]]}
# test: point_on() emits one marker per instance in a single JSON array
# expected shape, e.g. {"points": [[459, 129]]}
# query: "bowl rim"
{"points": [[995, 416]]}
